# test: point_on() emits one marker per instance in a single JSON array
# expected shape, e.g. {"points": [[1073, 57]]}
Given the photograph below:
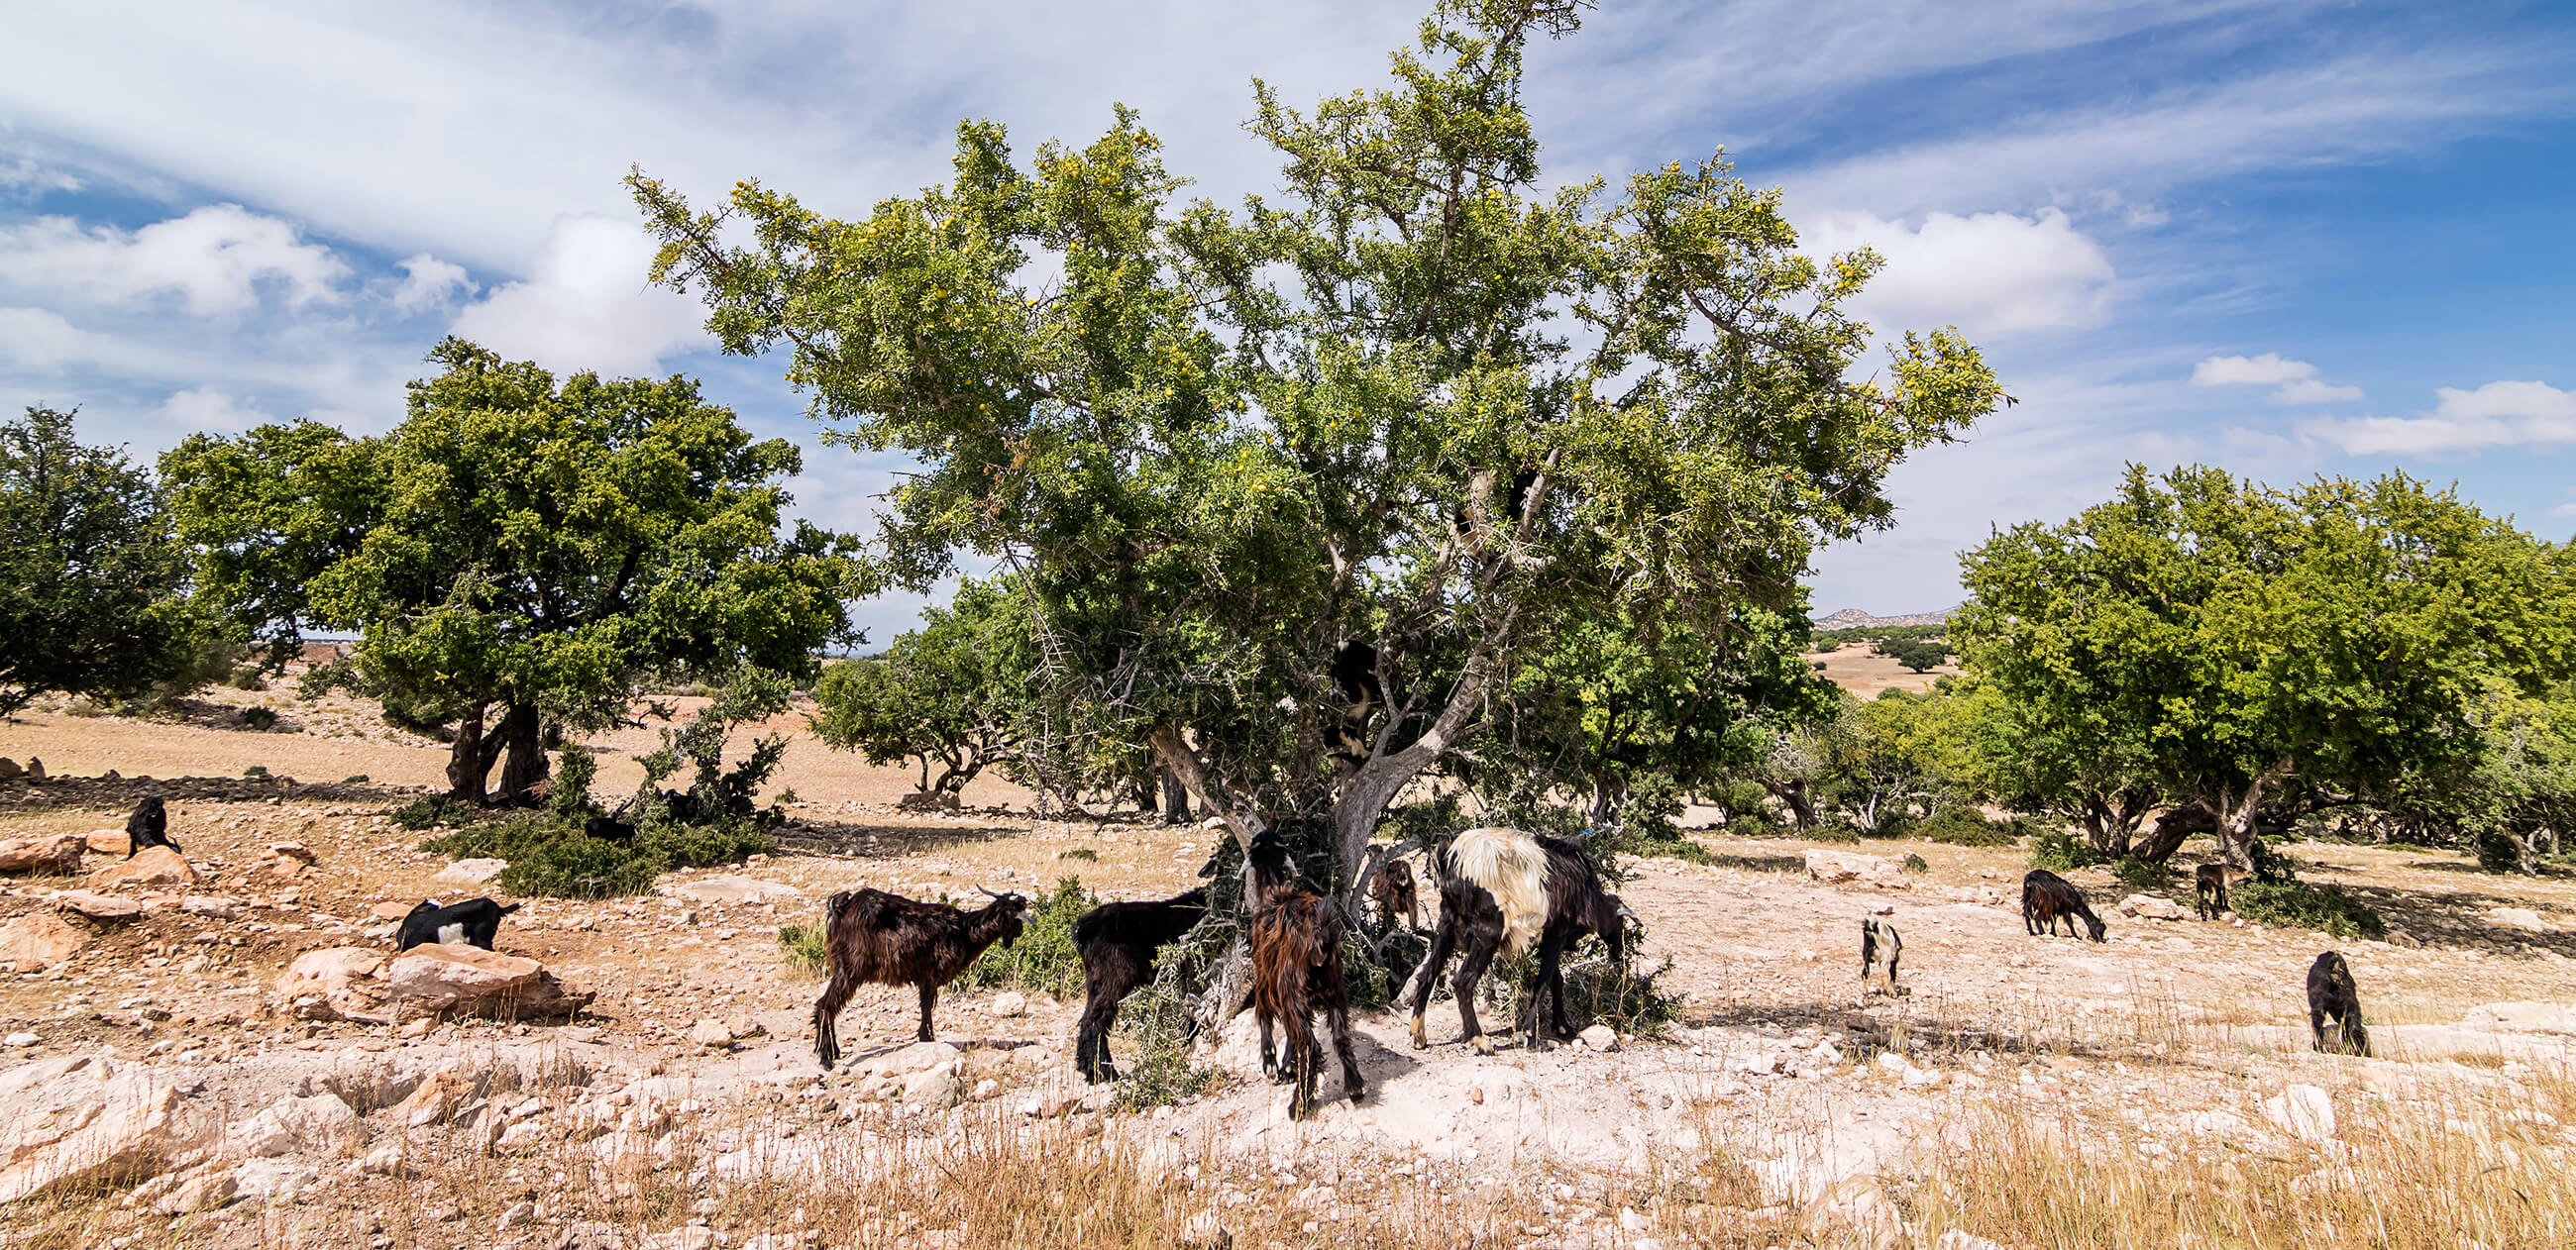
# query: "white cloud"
{"points": [[1990, 273], [2311, 391], [207, 408], [38, 340], [428, 283], [2498, 414], [2263, 370], [216, 261], [588, 305], [25, 177]]}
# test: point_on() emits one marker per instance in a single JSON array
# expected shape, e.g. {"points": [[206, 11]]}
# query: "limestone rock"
{"points": [[333, 983], [1599, 1037], [440, 979], [934, 1088], [1010, 1005], [2151, 907], [2522, 918], [203, 1192], [292, 850], [9, 770], [60, 855], [101, 907], [37, 941], [273, 1180], [153, 865], [390, 911], [472, 871], [2304, 1111], [731, 888], [321, 1124], [83, 1121], [214, 906], [108, 841], [1854, 868], [918, 1057], [434, 1100], [711, 1033]]}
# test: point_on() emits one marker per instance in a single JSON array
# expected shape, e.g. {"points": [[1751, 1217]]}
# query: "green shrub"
{"points": [[354, 779], [800, 949], [2139, 874], [258, 719], [1080, 852], [1044, 958], [550, 855], [2296, 904], [256, 772], [1963, 826], [1835, 827], [2058, 850], [1677, 846], [1893, 825], [1916, 863], [1158, 1072], [1755, 823], [435, 810]]}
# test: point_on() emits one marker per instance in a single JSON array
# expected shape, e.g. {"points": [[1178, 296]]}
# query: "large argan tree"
{"points": [[517, 548], [1418, 409]]}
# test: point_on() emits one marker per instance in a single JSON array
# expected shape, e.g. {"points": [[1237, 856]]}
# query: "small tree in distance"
{"points": [[1916, 655], [950, 693]]}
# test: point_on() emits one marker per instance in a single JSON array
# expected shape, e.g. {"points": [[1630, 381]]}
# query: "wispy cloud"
{"points": [[2295, 382], [2498, 414], [1990, 273]]}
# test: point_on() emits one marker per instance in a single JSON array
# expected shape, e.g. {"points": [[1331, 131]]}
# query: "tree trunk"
{"points": [[2236, 828], [1176, 798], [2112, 827], [470, 756], [1802, 806], [522, 734]]}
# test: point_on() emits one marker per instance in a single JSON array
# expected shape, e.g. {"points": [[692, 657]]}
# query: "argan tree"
{"points": [[90, 574], [953, 692], [1418, 408], [516, 548]]}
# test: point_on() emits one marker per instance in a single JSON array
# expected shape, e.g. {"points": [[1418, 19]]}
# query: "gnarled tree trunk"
{"points": [[469, 758], [522, 734]]}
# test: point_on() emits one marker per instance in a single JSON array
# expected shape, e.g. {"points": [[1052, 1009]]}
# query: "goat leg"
{"points": [[1442, 943], [1470, 970], [929, 999], [827, 1011], [1339, 1016]]}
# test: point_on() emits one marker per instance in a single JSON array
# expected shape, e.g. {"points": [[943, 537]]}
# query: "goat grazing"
{"points": [[1505, 891], [2047, 898], [148, 826], [1393, 890], [2209, 890], [1879, 949], [1117, 942], [2331, 993], [871, 937], [475, 922], [1297, 971]]}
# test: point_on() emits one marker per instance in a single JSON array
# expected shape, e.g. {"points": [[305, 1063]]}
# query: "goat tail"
{"points": [[1511, 866], [507, 908]]}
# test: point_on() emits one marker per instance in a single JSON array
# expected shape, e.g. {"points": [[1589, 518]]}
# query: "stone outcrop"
{"points": [[471, 871], [320, 1124], [153, 865], [60, 854], [84, 1121], [434, 980], [2151, 907], [731, 888], [37, 941], [104, 908], [1854, 868]]}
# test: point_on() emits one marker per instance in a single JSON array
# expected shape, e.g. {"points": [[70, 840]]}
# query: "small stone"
{"points": [[19, 1041], [519, 1213], [472, 871], [101, 907], [2304, 1111], [711, 1033], [1599, 1037], [1009, 1005]]}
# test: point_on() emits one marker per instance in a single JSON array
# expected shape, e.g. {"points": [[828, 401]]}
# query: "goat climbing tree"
{"points": [[1415, 403]]}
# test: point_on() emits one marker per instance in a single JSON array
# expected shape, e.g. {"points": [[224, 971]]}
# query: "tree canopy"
{"points": [[517, 546], [1416, 402], [953, 692], [89, 570]]}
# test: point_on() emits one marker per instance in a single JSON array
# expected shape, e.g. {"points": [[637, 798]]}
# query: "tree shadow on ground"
{"points": [[855, 839], [122, 793], [2456, 918], [1755, 861]]}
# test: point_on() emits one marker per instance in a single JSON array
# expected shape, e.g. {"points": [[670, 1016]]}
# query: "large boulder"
{"points": [[60, 854], [472, 871], [153, 865], [321, 1124], [80, 1122], [731, 888], [37, 941], [108, 841], [1854, 868], [442, 979], [334, 983], [2150, 907]]}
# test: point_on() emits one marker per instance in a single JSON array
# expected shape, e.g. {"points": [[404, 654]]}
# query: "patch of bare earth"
{"points": [[2155, 1089]]}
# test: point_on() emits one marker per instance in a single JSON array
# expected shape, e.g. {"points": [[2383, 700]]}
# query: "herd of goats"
{"points": [[1502, 892]]}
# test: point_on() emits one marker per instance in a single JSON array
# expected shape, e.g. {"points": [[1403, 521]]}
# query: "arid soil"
{"points": [[683, 1107]]}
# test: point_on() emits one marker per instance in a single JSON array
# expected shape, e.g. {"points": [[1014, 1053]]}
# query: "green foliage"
{"points": [[433, 811], [2296, 904], [1081, 853], [1916, 863], [255, 772], [2058, 850], [1424, 394], [801, 950], [1966, 826], [89, 574], [953, 692], [575, 769], [246, 677], [717, 796], [258, 719], [516, 544], [549, 855], [1044, 959], [1158, 1072], [1918, 656], [1836, 828], [2139, 874], [354, 779]]}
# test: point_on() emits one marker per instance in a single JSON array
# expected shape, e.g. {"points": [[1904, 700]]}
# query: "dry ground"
{"points": [[2031, 1091]]}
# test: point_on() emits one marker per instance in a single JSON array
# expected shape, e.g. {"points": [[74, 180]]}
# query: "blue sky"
{"points": [[2285, 238]]}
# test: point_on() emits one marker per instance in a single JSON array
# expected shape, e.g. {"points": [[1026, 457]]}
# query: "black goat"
{"points": [[476, 921], [1117, 942], [1505, 891], [2331, 994], [1297, 971], [608, 829], [2209, 890], [2047, 898], [148, 826], [871, 937], [1879, 948]]}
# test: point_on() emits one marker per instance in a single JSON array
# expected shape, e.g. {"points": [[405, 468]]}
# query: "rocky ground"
{"points": [[218, 1048]]}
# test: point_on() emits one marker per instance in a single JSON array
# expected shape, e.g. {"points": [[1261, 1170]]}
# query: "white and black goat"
{"points": [[1507, 891]]}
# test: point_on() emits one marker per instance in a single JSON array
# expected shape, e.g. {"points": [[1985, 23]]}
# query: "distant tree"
{"points": [[516, 550], [2238, 644], [1425, 399], [1920, 657], [951, 693], [2073, 762], [90, 574]]}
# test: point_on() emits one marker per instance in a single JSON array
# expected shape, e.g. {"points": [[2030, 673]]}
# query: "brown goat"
{"points": [[1393, 890], [1296, 971], [2209, 890], [2047, 898], [871, 937]]}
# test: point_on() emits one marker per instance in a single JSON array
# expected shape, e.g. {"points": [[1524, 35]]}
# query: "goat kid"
{"points": [[148, 826], [2331, 994], [1879, 949], [1507, 890], [1297, 971], [2047, 898], [2209, 890], [475, 922], [871, 937], [1117, 942], [1393, 890]]}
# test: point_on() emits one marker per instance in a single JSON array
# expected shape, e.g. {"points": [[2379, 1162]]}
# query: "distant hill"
{"points": [[1854, 618]]}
